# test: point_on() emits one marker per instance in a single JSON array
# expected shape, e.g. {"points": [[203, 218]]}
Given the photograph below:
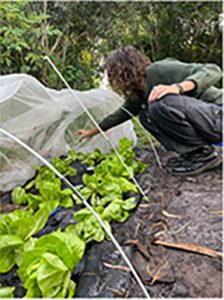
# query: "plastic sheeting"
{"points": [[46, 120]]}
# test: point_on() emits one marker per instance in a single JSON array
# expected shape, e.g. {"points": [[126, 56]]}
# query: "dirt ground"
{"points": [[180, 210]]}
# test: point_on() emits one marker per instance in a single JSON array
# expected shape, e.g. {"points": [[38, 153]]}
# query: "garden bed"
{"points": [[179, 210]]}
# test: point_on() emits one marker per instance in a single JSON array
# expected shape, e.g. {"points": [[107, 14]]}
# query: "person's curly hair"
{"points": [[126, 71]]}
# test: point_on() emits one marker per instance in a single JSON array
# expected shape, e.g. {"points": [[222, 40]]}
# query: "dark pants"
{"points": [[183, 124]]}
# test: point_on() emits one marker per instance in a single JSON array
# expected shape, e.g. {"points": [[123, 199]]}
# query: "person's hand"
{"points": [[161, 90], [83, 134]]}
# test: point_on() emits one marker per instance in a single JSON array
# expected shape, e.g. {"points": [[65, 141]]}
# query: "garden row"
{"points": [[44, 263]]}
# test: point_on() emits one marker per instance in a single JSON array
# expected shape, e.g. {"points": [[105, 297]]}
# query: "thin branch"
{"points": [[190, 247], [117, 267], [117, 292], [55, 44]]}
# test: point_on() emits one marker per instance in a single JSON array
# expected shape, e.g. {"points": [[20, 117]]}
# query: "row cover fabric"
{"points": [[46, 120]]}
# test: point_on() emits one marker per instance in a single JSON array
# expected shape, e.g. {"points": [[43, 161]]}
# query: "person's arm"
{"points": [[120, 116], [185, 86], [204, 76], [114, 119], [192, 77], [179, 88]]}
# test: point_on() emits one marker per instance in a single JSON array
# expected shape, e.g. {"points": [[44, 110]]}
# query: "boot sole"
{"points": [[210, 165]]}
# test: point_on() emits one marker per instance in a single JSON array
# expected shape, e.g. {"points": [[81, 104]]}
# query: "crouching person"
{"points": [[177, 103]]}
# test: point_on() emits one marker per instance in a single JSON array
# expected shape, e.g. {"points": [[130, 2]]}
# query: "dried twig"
{"points": [[55, 44], [190, 179], [89, 274], [131, 242], [126, 295], [168, 215], [160, 293], [160, 232], [145, 205], [137, 229], [182, 227], [117, 292], [162, 200], [117, 267], [143, 250], [190, 247], [216, 212], [159, 272], [150, 216], [158, 225]]}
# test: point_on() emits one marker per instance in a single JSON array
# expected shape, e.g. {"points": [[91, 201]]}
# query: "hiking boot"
{"points": [[176, 160], [197, 162]]}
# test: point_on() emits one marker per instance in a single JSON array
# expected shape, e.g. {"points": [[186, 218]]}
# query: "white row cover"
{"points": [[46, 120]]}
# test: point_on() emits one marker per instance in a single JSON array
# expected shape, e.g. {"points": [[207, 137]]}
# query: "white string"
{"points": [[49, 165]]}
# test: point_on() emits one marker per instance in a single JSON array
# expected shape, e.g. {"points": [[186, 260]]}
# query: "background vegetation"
{"points": [[78, 35]]}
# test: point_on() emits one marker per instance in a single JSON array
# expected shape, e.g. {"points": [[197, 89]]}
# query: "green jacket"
{"points": [[169, 71]]}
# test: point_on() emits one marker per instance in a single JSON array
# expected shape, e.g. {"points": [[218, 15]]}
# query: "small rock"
{"points": [[179, 290]]}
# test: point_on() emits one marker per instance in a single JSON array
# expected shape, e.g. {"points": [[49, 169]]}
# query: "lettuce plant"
{"points": [[113, 165], [7, 292], [63, 166], [46, 269], [16, 229], [90, 159], [48, 184], [9, 245], [105, 188], [50, 189], [118, 210], [88, 228]]}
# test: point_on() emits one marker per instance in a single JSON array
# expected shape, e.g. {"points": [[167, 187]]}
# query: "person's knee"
{"points": [[172, 100], [154, 109], [167, 108], [158, 108]]}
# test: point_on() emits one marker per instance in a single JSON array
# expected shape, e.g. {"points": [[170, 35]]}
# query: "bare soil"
{"points": [[183, 210]]}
